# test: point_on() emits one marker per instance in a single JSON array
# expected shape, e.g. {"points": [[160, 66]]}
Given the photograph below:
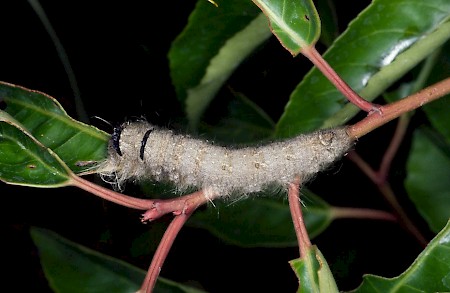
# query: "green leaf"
{"points": [[74, 142], [244, 123], [296, 24], [329, 22], [23, 161], [212, 45], [313, 273], [428, 273], [427, 181], [383, 43], [261, 222], [436, 111], [70, 267], [438, 116]]}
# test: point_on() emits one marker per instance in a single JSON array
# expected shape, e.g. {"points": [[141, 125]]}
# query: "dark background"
{"points": [[118, 53]]}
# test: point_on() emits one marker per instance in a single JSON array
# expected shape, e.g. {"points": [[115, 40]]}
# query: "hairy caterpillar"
{"points": [[140, 150]]}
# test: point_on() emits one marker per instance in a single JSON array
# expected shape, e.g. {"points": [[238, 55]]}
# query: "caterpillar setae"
{"points": [[139, 150]]}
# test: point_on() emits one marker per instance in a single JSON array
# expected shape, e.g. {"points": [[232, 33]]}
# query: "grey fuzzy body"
{"points": [[190, 162]]}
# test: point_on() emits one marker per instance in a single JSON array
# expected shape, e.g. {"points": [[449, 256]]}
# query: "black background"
{"points": [[118, 54]]}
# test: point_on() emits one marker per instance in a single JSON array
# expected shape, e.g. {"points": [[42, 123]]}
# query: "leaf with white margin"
{"points": [[428, 273]]}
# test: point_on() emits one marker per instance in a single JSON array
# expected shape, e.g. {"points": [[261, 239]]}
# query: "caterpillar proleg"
{"points": [[140, 150]]}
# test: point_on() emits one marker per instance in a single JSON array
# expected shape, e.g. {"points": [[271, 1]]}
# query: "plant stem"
{"points": [[394, 110], [393, 147], [317, 59], [79, 106], [119, 198], [183, 208], [163, 250], [297, 217], [177, 205], [360, 213], [155, 208], [388, 194]]}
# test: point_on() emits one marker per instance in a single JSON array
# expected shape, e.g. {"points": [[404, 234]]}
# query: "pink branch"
{"points": [[119, 198], [393, 147], [317, 59], [363, 166], [162, 251], [395, 110], [182, 209], [389, 195], [360, 213], [379, 178], [154, 208], [177, 206], [297, 217]]}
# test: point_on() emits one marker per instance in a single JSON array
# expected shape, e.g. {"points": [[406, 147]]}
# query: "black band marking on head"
{"points": [[144, 142], [115, 138]]}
